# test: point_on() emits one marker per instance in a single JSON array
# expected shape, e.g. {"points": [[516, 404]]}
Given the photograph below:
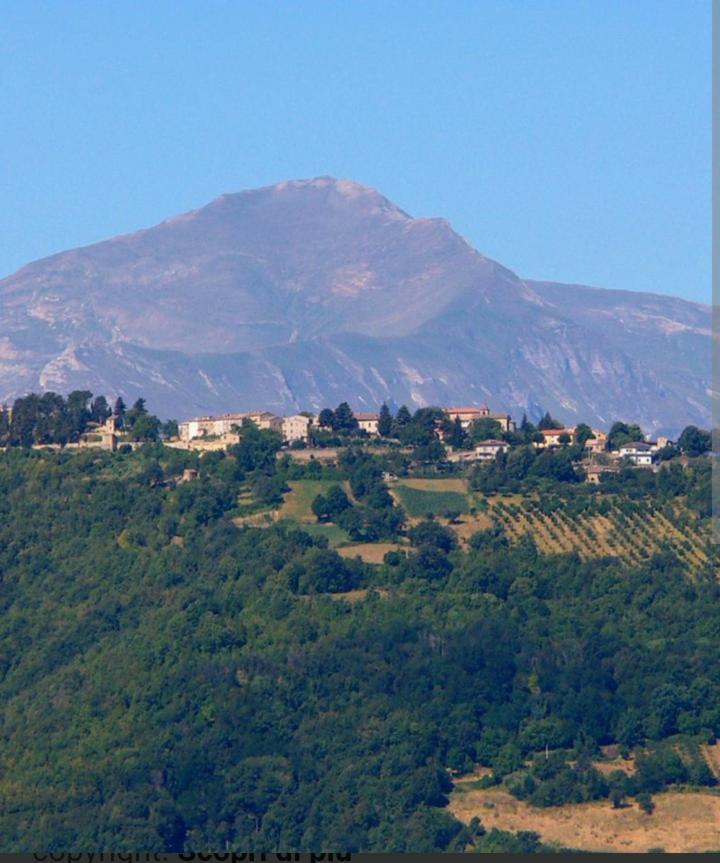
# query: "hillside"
{"points": [[295, 295], [173, 678]]}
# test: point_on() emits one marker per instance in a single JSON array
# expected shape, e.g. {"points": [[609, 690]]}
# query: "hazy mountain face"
{"points": [[306, 293]]}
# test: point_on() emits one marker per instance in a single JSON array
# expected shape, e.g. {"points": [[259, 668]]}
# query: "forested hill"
{"points": [[171, 681]]}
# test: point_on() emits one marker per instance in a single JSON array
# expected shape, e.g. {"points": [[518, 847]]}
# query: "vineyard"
{"points": [[628, 529]]}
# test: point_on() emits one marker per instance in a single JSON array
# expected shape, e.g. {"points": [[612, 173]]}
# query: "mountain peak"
{"points": [[317, 193], [311, 291]]}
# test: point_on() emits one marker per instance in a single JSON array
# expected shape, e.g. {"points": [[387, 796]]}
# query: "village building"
{"points": [[556, 437], [226, 423], [265, 420], [208, 426], [598, 443], [368, 422], [296, 427], [468, 415], [660, 443], [487, 450], [638, 453]]}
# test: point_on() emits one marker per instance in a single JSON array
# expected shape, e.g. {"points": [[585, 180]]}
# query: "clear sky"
{"points": [[568, 139]]}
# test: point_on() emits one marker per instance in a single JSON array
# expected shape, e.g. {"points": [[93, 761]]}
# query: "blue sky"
{"points": [[568, 139]]}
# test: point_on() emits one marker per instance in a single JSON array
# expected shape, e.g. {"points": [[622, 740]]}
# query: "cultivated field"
{"points": [[603, 527], [422, 497], [630, 530], [681, 822]]}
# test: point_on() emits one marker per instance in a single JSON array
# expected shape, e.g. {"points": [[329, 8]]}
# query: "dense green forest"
{"points": [[172, 681]]}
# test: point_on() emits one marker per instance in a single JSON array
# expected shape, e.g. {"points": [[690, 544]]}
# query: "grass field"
{"points": [[335, 535], [681, 822], [297, 505], [419, 502], [450, 483]]}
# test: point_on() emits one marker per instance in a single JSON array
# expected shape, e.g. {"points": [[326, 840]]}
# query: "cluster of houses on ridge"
{"points": [[297, 427], [211, 432]]}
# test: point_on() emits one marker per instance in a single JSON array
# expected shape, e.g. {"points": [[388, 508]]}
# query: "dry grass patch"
{"points": [[257, 519], [369, 552], [467, 525], [682, 822]]}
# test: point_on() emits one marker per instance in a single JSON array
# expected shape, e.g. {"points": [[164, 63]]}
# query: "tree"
{"points": [[547, 422], [422, 427], [617, 798], [646, 803], [169, 429], [344, 419], [328, 507], [694, 441], [564, 439], [430, 533], [77, 412], [583, 433], [402, 418], [145, 428], [527, 429], [4, 426], [100, 410], [326, 418], [457, 435], [485, 429], [385, 421], [621, 433], [119, 409]]}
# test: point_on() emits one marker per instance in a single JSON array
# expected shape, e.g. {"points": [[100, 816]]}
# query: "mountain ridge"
{"points": [[308, 292]]}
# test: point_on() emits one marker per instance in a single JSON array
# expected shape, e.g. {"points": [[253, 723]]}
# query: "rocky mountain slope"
{"points": [[304, 293]]}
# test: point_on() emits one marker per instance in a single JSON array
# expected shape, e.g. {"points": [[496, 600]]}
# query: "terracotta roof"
{"points": [[552, 432], [359, 416], [490, 443]]}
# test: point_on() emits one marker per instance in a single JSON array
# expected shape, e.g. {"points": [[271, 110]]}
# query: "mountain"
{"points": [[309, 292]]}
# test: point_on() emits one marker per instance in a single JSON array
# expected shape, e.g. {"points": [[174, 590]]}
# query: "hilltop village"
{"points": [[468, 434], [450, 435]]}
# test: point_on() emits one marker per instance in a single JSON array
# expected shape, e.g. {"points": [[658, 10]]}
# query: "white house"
{"points": [[487, 450], [368, 423], [638, 453]]}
